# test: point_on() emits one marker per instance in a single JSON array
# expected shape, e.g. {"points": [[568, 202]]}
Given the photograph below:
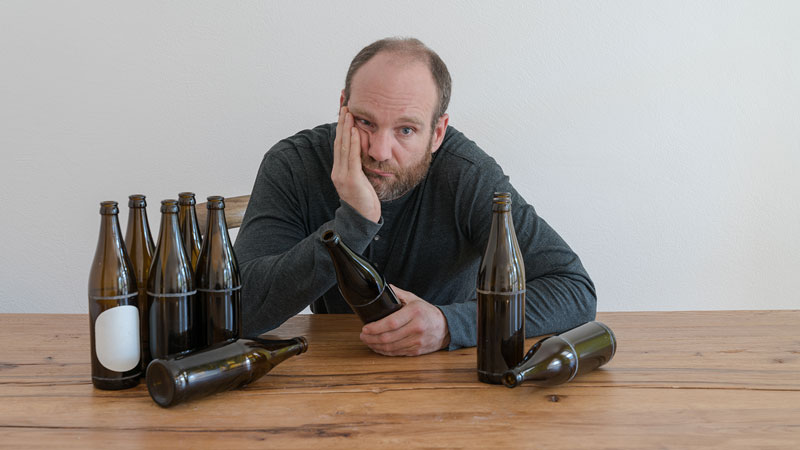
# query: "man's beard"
{"points": [[392, 188]]}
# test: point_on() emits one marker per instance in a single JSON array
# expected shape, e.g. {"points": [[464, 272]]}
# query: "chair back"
{"points": [[234, 212]]}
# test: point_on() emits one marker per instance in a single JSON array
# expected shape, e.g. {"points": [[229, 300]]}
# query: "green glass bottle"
{"points": [[113, 308], [139, 243], [558, 359], [170, 291], [217, 281], [190, 231], [360, 283], [219, 368], [501, 297]]}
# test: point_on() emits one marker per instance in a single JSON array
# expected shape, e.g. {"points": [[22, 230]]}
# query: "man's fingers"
{"points": [[355, 150]]}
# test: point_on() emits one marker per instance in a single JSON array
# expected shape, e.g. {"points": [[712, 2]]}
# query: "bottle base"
{"points": [[116, 384]]}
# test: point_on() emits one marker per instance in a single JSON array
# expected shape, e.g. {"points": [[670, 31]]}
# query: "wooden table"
{"points": [[679, 380]]}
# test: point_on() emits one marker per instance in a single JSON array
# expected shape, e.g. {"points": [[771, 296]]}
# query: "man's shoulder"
{"points": [[458, 150], [319, 137]]}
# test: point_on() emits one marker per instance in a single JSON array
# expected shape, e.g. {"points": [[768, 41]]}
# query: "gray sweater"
{"points": [[429, 242]]}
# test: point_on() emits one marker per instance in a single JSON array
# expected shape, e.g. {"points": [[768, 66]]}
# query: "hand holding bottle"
{"points": [[347, 175], [415, 329]]}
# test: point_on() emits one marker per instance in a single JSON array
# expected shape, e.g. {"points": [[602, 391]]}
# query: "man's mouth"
{"points": [[378, 173]]}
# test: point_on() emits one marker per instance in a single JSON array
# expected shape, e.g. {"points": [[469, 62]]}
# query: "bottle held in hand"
{"points": [[113, 308], [170, 291], [558, 359], [361, 285], [190, 230], [219, 368], [501, 297], [139, 243], [217, 281]]}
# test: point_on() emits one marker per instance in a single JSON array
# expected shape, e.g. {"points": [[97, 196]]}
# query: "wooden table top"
{"points": [[679, 380]]}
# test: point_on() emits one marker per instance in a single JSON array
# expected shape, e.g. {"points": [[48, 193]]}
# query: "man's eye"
{"points": [[364, 122], [406, 131]]}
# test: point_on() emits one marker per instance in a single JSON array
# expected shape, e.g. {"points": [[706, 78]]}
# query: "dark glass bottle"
{"points": [[219, 368], [170, 290], [139, 243], [361, 285], [217, 281], [113, 308], [190, 231], [558, 359], [501, 297]]}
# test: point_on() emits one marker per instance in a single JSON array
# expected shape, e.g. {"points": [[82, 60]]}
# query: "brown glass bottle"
{"points": [[361, 285], [217, 281], [170, 291], [558, 359], [113, 308], [501, 297], [190, 230], [139, 243], [219, 368]]}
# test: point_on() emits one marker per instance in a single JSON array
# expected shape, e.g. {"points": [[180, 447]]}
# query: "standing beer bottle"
{"points": [[501, 297], [362, 287], [170, 290], [558, 359], [113, 308], [190, 230], [219, 368], [140, 246], [217, 281]]}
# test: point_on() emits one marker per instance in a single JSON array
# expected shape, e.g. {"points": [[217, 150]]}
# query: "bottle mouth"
{"points": [[169, 206], [510, 379], [330, 238], [137, 201], [109, 207], [186, 198], [160, 384], [215, 202]]}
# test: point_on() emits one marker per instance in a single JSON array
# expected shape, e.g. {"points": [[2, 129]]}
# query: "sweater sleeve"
{"points": [[559, 293], [284, 265]]}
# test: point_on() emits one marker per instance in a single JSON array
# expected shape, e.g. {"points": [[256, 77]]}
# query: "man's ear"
{"points": [[439, 131], [341, 99]]}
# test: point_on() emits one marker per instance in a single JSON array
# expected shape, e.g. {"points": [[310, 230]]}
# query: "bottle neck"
{"points": [[110, 241], [217, 227], [138, 234]]}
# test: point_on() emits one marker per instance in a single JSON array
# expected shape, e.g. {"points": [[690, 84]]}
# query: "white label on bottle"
{"points": [[116, 336]]}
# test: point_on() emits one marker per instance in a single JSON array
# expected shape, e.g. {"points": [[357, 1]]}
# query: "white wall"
{"points": [[662, 139]]}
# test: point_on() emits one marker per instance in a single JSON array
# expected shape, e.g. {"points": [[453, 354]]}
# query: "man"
{"points": [[410, 193]]}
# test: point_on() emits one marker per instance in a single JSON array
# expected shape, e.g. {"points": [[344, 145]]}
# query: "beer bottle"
{"points": [[217, 281], [360, 283], [501, 297], [113, 308], [558, 359], [190, 231], [170, 290], [139, 243], [221, 367]]}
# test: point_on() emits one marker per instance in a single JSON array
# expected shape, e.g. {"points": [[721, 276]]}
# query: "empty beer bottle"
{"points": [[113, 308], [361, 285], [501, 297], [558, 359], [190, 230], [217, 281], [170, 290], [140, 246], [219, 368]]}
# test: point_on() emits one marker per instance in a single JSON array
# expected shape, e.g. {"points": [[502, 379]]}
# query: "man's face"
{"points": [[392, 99]]}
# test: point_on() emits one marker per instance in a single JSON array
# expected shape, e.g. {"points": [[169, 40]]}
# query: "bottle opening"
{"points": [[215, 202], [330, 237], [109, 207], [169, 206], [137, 201], [186, 198], [160, 384], [510, 379]]}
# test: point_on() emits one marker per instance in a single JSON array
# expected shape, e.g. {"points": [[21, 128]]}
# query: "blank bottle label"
{"points": [[116, 332]]}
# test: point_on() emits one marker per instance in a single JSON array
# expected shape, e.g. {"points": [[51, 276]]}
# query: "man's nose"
{"points": [[380, 146]]}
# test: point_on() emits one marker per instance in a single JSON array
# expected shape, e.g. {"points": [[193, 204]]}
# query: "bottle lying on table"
{"points": [[219, 368], [363, 288], [558, 359]]}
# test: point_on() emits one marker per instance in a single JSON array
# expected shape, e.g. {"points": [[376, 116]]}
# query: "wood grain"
{"points": [[679, 380]]}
